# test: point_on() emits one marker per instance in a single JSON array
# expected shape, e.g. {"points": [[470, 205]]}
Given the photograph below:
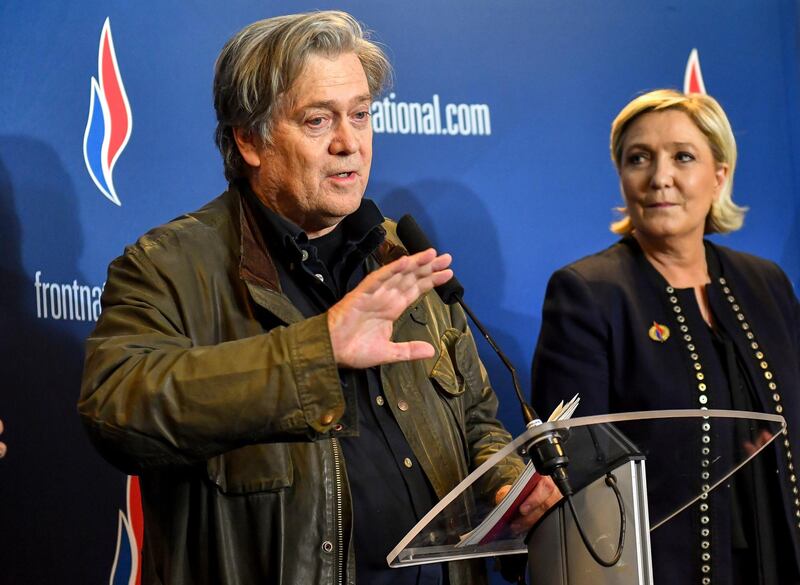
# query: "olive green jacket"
{"points": [[203, 378]]}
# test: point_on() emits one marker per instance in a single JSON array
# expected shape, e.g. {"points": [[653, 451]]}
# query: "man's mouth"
{"points": [[344, 178]]}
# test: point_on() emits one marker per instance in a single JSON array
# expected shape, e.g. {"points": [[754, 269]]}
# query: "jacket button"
{"points": [[327, 418], [338, 427], [379, 400], [402, 405], [407, 462], [327, 546]]}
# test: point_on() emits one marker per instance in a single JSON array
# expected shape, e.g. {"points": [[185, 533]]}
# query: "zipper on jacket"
{"points": [[337, 483]]}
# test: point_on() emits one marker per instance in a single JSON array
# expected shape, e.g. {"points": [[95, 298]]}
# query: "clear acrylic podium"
{"points": [[466, 523]]}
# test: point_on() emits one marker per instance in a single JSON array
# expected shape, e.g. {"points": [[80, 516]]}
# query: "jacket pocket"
{"points": [[457, 367], [251, 469], [445, 372]]}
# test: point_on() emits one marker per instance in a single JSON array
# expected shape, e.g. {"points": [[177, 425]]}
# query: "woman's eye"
{"points": [[636, 158], [684, 157]]}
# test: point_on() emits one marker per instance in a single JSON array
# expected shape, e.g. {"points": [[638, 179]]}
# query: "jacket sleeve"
{"points": [[572, 352], [151, 396]]}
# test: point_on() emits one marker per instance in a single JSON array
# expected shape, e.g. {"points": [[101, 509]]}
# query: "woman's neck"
{"points": [[682, 262]]}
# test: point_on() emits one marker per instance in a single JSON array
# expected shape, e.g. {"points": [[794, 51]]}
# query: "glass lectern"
{"points": [[467, 523]]}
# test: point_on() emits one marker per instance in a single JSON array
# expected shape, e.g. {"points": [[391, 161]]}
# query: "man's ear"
{"points": [[249, 145]]}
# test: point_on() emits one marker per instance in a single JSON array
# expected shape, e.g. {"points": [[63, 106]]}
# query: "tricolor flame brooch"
{"points": [[658, 332]]}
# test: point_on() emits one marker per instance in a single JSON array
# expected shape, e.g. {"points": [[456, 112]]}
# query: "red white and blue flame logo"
{"points": [[109, 126], [127, 568], [693, 77]]}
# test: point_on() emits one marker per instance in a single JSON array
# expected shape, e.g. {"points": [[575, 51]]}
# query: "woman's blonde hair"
{"points": [[709, 117]]}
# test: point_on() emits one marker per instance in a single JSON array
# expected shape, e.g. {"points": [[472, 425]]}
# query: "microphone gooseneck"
{"points": [[546, 450]]}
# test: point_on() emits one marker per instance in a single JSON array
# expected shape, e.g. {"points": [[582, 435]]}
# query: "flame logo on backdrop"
{"points": [[693, 78], [127, 568], [109, 125]]}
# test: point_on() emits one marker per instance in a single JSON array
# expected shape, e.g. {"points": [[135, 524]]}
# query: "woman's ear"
{"points": [[722, 178]]}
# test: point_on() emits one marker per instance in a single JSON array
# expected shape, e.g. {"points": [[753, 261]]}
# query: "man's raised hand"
{"points": [[360, 324]]}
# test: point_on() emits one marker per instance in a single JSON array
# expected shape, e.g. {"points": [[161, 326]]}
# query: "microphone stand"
{"points": [[546, 450], [528, 414]]}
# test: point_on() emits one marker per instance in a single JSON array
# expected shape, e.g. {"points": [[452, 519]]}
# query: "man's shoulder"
{"points": [[213, 225], [392, 248], [390, 226], [213, 218]]}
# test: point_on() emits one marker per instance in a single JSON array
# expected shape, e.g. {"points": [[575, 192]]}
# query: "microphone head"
{"points": [[415, 240], [412, 236]]}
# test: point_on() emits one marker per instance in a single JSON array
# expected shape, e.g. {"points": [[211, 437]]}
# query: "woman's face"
{"points": [[668, 175]]}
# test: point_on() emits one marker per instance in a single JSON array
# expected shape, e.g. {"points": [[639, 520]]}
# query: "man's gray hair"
{"points": [[262, 61]]}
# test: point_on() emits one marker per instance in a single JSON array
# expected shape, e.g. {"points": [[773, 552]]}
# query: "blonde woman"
{"points": [[666, 319]]}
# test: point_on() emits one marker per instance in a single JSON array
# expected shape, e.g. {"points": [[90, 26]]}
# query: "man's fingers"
{"points": [[420, 264], [410, 276], [544, 496], [441, 262], [539, 496], [411, 350], [441, 277], [501, 493]]}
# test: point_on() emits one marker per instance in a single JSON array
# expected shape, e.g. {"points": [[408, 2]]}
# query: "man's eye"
{"points": [[361, 115], [315, 122]]}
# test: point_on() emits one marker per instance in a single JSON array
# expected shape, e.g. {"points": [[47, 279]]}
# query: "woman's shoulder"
{"points": [[607, 265], [605, 277], [749, 265], [753, 276]]}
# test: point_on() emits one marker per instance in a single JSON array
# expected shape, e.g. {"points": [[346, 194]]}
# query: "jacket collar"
{"points": [[257, 267], [712, 262]]}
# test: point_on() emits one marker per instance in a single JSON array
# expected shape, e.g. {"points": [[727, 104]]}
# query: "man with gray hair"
{"points": [[274, 366]]}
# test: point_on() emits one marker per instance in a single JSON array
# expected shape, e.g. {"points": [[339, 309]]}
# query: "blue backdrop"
{"points": [[509, 171]]}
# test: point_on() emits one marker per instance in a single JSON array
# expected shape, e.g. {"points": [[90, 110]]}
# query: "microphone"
{"points": [[415, 240]]}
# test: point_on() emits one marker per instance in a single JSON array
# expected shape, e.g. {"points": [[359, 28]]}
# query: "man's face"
{"points": [[316, 170]]}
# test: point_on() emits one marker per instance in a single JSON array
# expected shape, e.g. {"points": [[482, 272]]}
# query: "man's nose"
{"points": [[345, 140]]}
